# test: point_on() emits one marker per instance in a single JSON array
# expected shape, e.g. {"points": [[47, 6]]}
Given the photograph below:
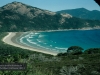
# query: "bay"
{"points": [[59, 41]]}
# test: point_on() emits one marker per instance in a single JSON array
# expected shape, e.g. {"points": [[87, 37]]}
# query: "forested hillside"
{"points": [[82, 13], [17, 16]]}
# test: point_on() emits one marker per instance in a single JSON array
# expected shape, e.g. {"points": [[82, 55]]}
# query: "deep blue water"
{"points": [[59, 41]]}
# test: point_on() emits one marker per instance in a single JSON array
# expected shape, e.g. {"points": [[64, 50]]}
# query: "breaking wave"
{"points": [[60, 41]]}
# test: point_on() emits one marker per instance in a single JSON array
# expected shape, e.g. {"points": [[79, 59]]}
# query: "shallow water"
{"points": [[59, 41]]}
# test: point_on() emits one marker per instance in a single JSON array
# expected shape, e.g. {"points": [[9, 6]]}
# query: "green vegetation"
{"points": [[46, 22], [86, 63], [92, 51], [38, 19], [82, 13], [73, 62], [75, 50]]}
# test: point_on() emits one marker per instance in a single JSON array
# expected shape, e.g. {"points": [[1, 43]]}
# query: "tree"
{"points": [[75, 50]]}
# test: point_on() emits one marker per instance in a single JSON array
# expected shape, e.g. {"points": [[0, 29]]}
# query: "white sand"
{"points": [[7, 40]]}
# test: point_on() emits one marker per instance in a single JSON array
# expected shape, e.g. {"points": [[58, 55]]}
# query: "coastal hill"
{"points": [[17, 16], [82, 13]]}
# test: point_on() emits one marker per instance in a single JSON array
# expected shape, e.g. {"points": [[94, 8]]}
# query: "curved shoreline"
{"points": [[10, 39]]}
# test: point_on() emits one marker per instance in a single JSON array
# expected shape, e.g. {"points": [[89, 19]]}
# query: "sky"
{"points": [[57, 5]]}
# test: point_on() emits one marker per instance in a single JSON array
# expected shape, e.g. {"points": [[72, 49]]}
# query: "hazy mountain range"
{"points": [[17, 16], [83, 13]]}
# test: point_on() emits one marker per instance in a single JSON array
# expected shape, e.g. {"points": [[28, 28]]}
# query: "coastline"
{"points": [[12, 36], [10, 39], [84, 28]]}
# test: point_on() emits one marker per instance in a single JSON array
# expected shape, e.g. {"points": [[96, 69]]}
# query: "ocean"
{"points": [[60, 41]]}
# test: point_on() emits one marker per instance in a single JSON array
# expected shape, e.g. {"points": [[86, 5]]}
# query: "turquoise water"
{"points": [[59, 41]]}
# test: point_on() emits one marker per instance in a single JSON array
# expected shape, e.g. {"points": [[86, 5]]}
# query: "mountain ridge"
{"points": [[82, 13], [17, 16], [19, 7]]}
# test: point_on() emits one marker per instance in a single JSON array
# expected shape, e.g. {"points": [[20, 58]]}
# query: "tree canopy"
{"points": [[74, 50]]}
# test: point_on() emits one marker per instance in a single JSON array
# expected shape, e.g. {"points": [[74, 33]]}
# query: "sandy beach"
{"points": [[11, 40]]}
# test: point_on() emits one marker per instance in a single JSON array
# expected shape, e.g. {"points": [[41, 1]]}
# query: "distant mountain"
{"points": [[17, 16], [83, 13]]}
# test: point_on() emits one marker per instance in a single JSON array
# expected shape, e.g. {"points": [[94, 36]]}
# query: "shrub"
{"points": [[92, 51], [75, 50]]}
